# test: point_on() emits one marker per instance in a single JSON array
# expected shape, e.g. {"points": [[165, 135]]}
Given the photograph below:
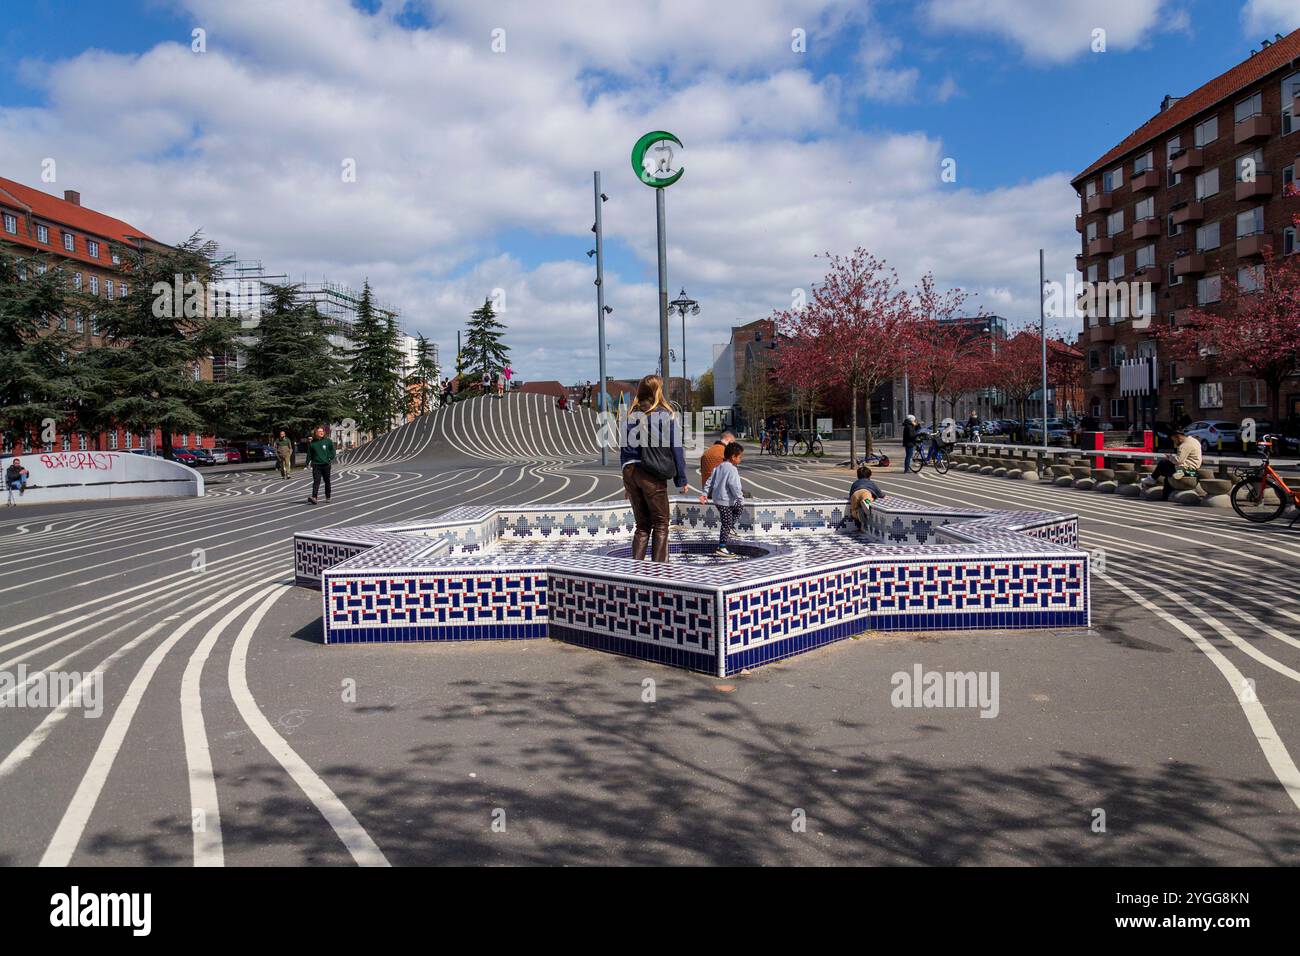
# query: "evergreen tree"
{"points": [[375, 374], [158, 339], [484, 350], [38, 379], [293, 376], [423, 380]]}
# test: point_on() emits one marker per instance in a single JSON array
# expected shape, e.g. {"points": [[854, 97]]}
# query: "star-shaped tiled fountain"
{"points": [[799, 580]]}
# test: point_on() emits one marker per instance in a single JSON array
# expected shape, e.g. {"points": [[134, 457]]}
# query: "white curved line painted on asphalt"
{"points": [[1266, 735], [208, 845], [63, 844], [354, 836]]}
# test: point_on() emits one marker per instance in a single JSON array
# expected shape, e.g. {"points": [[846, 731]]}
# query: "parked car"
{"points": [[1058, 431], [257, 451], [1210, 432], [185, 456], [1286, 440], [233, 457]]}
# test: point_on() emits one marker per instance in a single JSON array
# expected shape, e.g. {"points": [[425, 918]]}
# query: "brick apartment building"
{"points": [[63, 234], [1193, 194]]}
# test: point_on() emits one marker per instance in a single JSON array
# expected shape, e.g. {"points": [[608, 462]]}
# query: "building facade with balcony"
{"points": [[1194, 194]]}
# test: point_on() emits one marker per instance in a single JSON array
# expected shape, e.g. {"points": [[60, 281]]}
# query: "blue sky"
{"points": [[241, 140]]}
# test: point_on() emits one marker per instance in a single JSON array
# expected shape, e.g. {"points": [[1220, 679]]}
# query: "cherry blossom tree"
{"points": [[941, 351], [1017, 367], [856, 324]]}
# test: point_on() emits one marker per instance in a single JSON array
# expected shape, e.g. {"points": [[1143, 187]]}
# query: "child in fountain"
{"points": [[861, 494], [723, 487]]}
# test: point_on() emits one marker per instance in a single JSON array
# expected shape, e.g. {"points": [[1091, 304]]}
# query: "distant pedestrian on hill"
{"points": [[486, 383], [723, 488], [284, 454], [320, 453], [501, 383], [651, 458]]}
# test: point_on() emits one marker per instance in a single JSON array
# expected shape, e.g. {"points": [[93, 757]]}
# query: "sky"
{"points": [[474, 126]]}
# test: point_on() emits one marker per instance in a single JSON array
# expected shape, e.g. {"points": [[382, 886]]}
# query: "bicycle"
{"points": [[1262, 494], [805, 446], [936, 455]]}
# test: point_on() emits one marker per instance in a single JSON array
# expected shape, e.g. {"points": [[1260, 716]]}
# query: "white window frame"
{"points": [[1254, 105], [1255, 223], [1149, 206], [1205, 395], [1260, 397], [1111, 271], [1115, 223], [69, 242], [92, 248], [1202, 180], [1204, 232], [1206, 132], [1146, 256], [1144, 162], [1207, 286], [42, 233], [11, 224]]}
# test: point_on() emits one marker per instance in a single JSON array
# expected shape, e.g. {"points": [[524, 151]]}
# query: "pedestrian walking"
{"points": [[501, 383], [714, 455], [284, 454], [724, 490], [909, 442], [320, 454], [651, 458]]}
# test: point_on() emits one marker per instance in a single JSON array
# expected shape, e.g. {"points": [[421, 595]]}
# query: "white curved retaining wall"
{"points": [[93, 475]]}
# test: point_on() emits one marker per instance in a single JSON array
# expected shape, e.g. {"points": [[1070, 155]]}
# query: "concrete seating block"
{"points": [[1215, 486], [1127, 477], [1106, 487], [1084, 484], [1187, 497], [1103, 474], [986, 469], [1080, 472], [1130, 490]]}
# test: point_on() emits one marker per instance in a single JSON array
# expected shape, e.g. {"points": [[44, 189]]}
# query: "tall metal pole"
{"points": [[1042, 332], [600, 307], [685, 392], [664, 367]]}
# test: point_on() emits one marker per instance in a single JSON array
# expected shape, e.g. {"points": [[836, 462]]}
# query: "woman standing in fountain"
{"points": [[651, 455]]}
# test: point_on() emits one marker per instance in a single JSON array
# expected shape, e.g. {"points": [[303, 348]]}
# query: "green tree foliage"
{"points": [[38, 378], [484, 349], [293, 376], [157, 340], [422, 383], [375, 375]]}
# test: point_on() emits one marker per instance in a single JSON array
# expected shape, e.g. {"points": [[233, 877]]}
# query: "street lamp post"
{"points": [[664, 174], [683, 305]]}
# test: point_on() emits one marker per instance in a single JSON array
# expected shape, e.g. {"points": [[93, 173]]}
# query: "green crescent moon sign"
{"points": [[638, 159]]}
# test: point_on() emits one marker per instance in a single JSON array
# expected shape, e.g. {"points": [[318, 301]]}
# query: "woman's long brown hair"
{"points": [[650, 395]]}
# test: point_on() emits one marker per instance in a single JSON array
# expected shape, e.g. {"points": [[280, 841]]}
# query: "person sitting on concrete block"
{"points": [[1184, 462]]}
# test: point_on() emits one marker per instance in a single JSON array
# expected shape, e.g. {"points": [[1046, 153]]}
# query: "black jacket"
{"points": [[909, 434]]}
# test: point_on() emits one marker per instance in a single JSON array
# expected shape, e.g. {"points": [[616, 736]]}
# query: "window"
{"points": [[117, 259], [66, 444], [94, 323], [1091, 231], [1117, 355], [1115, 223], [94, 285], [42, 233], [1175, 145], [1252, 393], [1090, 189], [76, 281], [69, 242], [1290, 89], [1115, 267], [1092, 272], [1250, 106], [121, 290], [1174, 279], [1142, 163], [1207, 290], [1119, 408], [82, 441], [11, 224], [1146, 209], [1247, 279], [1174, 378], [1112, 180], [185, 440], [112, 440], [1207, 132], [80, 322], [1288, 240], [1211, 395], [128, 440], [1094, 361], [1249, 166], [1175, 228], [1207, 237], [63, 322], [1288, 176], [108, 288], [1207, 184], [92, 248], [1146, 256], [1250, 222]]}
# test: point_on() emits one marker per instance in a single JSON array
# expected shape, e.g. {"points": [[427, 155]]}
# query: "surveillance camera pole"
{"points": [[600, 307]]}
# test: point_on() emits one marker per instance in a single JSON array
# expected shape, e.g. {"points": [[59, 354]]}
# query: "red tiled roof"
{"points": [[52, 210], [1275, 56]]}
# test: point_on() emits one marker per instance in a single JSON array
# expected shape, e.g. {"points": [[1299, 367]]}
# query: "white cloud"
{"points": [[1053, 31], [1261, 18], [461, 153]]}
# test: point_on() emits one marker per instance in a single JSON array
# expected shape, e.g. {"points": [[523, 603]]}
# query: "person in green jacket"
{"points": [[284, 454], [320, 453]]}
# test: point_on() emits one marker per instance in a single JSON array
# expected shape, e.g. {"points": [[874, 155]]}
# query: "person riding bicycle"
{"points": [[973, 426]]}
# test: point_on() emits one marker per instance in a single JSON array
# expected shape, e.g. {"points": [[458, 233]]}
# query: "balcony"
{"points": [[1187, 160], [1078, 261], [1153, 274], [1262, 186], [1248, 246], [1195, 369], [1192, 212], [1259, 126], [1145, 182], [1146, 229], [1190, 264], [1100, 203], [1101, 333], [1101, 247], [1104, 376]]}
